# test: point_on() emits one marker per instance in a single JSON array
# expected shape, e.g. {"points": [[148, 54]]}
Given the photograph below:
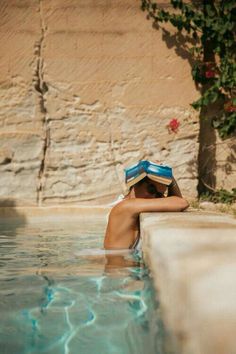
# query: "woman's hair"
{"points": [[172, 189], [139, 183]]}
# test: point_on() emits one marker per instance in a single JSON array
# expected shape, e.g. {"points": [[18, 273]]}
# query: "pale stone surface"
{"points": [[192, 258], [99, 85], [217, 207], [225, 168], [20, 163]]}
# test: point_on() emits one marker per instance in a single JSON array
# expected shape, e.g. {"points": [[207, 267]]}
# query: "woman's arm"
{"points": [[141, 205], [123, 225], [173, 189]]}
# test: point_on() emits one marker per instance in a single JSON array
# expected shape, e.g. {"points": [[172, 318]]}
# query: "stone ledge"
{"points": [[192, 259]]}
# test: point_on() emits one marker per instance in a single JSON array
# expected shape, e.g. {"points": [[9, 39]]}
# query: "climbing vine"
{"points": [[210, 25]]}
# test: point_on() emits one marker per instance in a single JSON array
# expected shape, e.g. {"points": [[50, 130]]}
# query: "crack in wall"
{"points": [[113, 155], [41, 89]]}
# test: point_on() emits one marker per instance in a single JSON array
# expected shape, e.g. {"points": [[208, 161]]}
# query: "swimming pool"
{"points": [[61, 293]]}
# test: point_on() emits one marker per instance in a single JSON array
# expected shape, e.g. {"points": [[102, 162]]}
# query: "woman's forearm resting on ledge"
{"points": [[142, 205]]}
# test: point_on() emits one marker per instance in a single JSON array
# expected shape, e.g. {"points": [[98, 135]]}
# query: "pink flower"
{"points": [[209, 70], [209, 74], [230, 107], [173, 125]]}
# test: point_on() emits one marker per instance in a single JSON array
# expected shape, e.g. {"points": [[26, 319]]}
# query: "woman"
{"points": [[145, 196]]}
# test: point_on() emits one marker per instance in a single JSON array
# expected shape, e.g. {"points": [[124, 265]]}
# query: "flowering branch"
{"points": [[212, 25]]}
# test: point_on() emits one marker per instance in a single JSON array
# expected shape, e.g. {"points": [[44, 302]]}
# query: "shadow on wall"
{"points": [[207, 134], [206, 153], [179, 42], [231, 159], [10, 217]]}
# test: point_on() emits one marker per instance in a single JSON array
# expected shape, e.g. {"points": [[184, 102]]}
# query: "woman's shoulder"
{"points": [[119, 199]]}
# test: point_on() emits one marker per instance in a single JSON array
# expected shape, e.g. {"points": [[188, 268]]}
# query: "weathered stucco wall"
{"points": [[86, 88]]}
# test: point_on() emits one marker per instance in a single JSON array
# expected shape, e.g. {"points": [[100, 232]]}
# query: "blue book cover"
{"points": [[159, 173]]}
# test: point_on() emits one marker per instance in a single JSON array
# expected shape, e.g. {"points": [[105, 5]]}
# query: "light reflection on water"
{"points": [[61, 293]]}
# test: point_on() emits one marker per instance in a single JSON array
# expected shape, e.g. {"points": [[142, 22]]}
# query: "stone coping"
{"points": [[192, 257]]}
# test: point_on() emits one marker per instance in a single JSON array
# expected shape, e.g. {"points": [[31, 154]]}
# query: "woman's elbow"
{"points": [[184, 204]]}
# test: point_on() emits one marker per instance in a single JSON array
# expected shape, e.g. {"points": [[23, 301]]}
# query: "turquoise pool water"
{"points": [[61, 293]]}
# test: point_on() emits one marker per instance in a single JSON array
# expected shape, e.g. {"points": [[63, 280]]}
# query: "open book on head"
{"points": [[145, 168]]}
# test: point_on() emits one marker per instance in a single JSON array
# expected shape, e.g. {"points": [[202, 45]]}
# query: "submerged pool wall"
{"points": [[192, 259]]}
